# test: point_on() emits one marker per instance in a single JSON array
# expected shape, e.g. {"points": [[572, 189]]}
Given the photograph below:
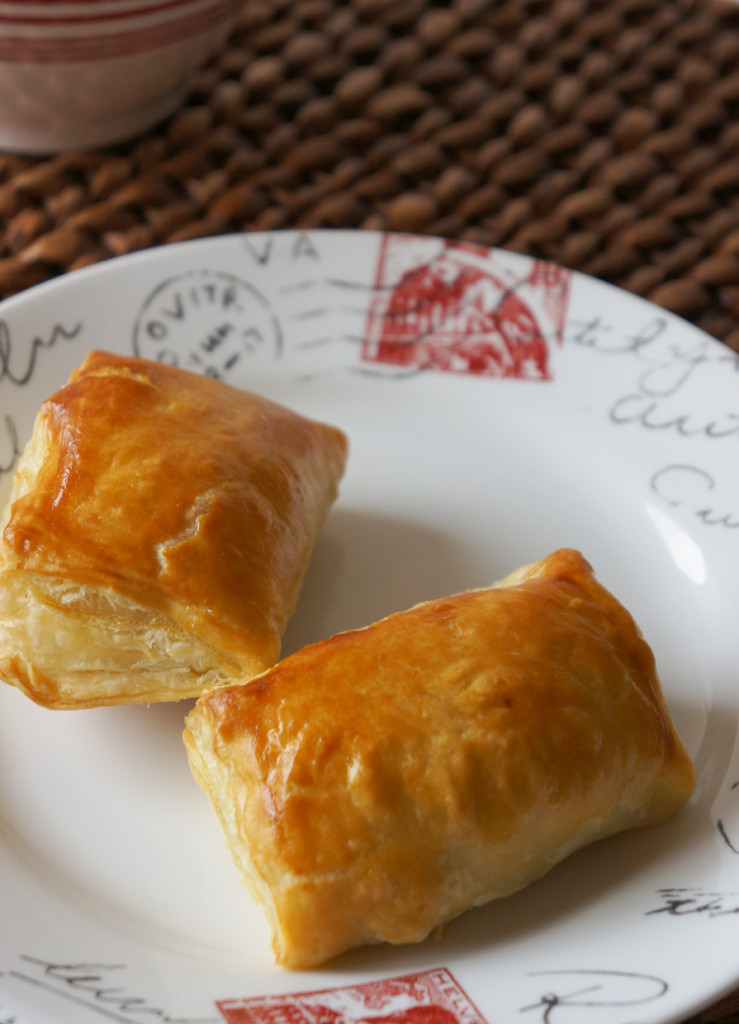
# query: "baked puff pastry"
{"points": [[373, 786], [157, 533]]}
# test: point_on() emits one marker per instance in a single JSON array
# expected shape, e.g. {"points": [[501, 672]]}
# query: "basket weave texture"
{"points": [[601, 135]]}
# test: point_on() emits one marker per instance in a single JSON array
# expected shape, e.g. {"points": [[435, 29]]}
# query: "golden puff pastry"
{"points": [[158, 530], [373, 786]]}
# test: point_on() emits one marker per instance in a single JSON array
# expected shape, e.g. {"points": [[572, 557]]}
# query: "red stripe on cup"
{"points": [[98, 16], [60, 50]]}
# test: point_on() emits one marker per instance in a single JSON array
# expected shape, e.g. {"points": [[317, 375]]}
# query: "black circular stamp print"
{"points": [[207, 321]]}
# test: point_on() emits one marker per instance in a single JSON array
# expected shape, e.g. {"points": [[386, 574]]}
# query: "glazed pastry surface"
{"points": [[157, 534], [375, 785]]}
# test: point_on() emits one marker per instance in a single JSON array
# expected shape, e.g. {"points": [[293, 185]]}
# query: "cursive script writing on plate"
{"points": [[680, 902], [10, 447], [18, 365], [98, 987], [22, 374], [569, 992], [684, 388]]}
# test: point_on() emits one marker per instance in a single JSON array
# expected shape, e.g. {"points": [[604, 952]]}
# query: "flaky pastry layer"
{"points": [[157, 534], [373, 786]]}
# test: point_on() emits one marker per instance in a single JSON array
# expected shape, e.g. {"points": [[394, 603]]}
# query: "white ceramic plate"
{"points": [[498, 408]]}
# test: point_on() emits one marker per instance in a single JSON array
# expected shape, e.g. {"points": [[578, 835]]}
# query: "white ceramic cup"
{"points": [[95, 72]]}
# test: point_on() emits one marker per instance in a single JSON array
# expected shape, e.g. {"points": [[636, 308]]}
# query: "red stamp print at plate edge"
{"points": [[457, 307], [428, 997]]}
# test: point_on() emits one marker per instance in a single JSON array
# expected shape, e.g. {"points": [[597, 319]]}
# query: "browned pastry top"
{"points": [[379, 782], [190, 497]]}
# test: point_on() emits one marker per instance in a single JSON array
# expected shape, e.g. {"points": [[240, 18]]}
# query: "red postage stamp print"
{"points": [[458, 307], [427, 997]]}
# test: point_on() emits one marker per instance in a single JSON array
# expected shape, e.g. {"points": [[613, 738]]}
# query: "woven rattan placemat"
{"points": [[601, 135]]}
